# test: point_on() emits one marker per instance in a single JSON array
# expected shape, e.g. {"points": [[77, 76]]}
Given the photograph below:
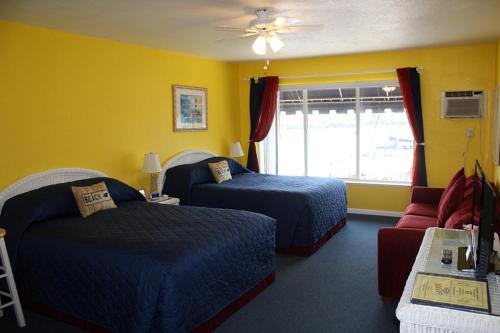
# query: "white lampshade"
{"points": [[151, 163], [236, 150], [275, 43], [259, 46]]}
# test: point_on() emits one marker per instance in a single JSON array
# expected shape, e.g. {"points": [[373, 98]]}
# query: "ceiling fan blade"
{"points": [[300, 28], [283, 21], [233, 29], [247, 35]]}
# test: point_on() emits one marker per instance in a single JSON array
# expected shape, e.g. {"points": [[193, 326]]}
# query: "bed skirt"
{"points": [[225, 313], [306, 251], [206, 327]]}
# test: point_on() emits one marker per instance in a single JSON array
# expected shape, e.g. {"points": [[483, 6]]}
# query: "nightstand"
{"points": [[167, 201]]}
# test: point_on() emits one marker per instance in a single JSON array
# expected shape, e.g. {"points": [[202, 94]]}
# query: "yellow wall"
{"points": [[72, 101], [450, 68]]}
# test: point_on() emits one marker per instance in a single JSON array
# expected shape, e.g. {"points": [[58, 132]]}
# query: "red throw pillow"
{"points": [[468, 200], [450, 201], [470, 183], [460, 173], [458, 219], [472, 197]]}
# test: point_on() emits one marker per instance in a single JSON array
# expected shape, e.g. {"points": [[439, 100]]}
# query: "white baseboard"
{"points": [[374, 212]]}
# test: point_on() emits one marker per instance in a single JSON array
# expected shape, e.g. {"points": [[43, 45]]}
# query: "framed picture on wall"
{"points": [[190, 108]]}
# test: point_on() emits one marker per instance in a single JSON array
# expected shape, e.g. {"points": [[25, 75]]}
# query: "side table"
{"points": [[416, 318]]}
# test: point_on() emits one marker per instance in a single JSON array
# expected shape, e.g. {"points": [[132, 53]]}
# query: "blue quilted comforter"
{"points": [[143, 267], [305, 208]]}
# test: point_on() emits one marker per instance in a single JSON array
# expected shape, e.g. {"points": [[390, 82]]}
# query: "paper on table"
{"points": [[451, 291]]}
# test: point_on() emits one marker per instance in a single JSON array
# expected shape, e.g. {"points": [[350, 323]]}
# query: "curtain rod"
{"points": [[419, 69]]}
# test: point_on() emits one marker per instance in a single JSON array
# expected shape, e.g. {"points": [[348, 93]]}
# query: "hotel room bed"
{"points": [[141, 267], [308, 210]]}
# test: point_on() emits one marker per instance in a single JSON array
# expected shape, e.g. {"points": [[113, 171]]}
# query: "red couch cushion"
{"points": [[450, 200], [422, 209], [417, 222]]}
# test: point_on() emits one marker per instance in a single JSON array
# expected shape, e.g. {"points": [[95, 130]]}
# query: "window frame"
{"points": [[357, 85]]}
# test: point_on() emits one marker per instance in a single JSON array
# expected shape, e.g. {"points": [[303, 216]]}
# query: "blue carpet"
{"points": [[335, 290]]}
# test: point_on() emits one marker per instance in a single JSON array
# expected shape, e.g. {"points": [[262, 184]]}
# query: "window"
{"points": [[355, 131]]}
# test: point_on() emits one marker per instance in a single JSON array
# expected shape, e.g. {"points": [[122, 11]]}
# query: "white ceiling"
{"points": [[350, 26]]}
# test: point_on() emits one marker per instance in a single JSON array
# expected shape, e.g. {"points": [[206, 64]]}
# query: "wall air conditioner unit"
{"points": [[462, 104]]}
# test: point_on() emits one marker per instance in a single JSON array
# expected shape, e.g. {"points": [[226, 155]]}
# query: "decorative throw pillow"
{"points": [[453, 180], [458, 219], [220, 171], [93, 198], [472, 188], [450, 201]]}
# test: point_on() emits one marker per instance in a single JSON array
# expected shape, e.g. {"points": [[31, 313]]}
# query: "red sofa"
{"points": [[452, 207], [398, 246], [429, 207]]}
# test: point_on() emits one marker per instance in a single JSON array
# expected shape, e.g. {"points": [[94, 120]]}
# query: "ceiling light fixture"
{"points": [[267, 28], [275, 43], [259, 46]]}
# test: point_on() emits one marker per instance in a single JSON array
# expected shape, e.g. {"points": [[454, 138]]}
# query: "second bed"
{"points": [[308, 210]]}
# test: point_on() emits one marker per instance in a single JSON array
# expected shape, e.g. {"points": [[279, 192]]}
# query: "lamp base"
{"points": [[153, 184]]}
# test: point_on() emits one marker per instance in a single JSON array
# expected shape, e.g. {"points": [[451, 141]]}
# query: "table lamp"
{"points": [[236, 151], [152, 166]]}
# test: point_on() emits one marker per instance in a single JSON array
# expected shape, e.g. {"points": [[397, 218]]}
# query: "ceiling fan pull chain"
{"points": [[266, 66]]}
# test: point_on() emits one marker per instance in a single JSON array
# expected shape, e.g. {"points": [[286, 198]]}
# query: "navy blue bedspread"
{"points": [[305, 207], [144, 267]]}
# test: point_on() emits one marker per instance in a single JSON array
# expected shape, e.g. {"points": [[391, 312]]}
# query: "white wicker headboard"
{"points": [[45, 178], [187, 157]]}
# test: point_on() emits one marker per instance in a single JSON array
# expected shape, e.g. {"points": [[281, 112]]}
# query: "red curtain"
{"points": [[262, 121], [409, 81]]}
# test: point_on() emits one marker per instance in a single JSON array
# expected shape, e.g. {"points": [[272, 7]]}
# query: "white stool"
{"points": [[6, 272]]}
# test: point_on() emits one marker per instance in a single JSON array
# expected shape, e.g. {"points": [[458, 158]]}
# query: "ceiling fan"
{"points": [[267, 29]]}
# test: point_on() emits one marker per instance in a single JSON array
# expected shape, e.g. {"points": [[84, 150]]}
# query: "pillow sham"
{"points": [[180, 179], [220, 171], [93, 198]]}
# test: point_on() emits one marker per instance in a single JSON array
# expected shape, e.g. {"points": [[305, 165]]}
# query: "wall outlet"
{"points": [[470, 132]]}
